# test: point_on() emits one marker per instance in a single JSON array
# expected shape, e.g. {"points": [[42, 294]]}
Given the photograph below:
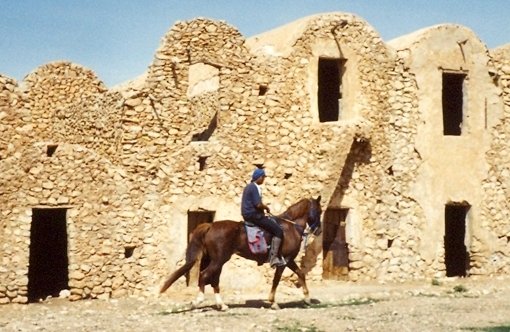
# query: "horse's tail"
{"points": [[195, 248]]}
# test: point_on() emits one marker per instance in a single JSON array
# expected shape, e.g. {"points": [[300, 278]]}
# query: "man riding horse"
{"points": [[252, 210]]}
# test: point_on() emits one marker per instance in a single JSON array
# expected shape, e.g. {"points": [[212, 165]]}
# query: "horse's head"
{"points": [[314, 216], [306, 212]]}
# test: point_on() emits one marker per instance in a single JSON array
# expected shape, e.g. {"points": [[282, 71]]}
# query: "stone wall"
{"points": [[128, 163], [69, 104], [101, 220], [14, 119], [451, 168], [490, 254]]}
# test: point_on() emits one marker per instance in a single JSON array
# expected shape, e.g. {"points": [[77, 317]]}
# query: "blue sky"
{"points": [[117, 39]]}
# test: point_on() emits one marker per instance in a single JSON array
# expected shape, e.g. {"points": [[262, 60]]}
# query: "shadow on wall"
{"points": [[360, 153]]}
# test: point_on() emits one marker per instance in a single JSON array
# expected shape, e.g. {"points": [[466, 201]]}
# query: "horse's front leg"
{"points": [[302, 280], [219, 301], [276, 280]]}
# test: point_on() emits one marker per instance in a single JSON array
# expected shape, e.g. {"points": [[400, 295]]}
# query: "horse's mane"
{"points": [[295, 209]]}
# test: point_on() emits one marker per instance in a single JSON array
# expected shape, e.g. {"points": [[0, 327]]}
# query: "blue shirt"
{"points": [[251, 198]]}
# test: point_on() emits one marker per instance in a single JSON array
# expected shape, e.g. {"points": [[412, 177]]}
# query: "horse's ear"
{"points": [[319, 199]]}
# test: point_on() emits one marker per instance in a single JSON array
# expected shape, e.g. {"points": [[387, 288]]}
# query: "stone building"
{"points": [[405, 141]]}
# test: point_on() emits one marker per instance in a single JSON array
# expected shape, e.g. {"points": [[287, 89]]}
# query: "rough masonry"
{"points": [[405, 140]]}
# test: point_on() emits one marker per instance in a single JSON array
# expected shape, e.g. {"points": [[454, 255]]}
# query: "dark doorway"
{"points": [[196, 218], [456, 255], [453, 98], [329, 89], [334, 245], [48, 262]]}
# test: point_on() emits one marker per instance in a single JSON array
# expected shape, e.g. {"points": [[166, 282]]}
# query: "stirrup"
{"points": [[278, 261]]}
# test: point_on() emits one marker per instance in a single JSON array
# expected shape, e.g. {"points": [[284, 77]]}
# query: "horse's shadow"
{"points": [[252, 303], [257, 303]]}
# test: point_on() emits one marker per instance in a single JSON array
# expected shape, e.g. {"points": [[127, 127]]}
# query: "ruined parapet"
{"points": [[68, 103], [194, 58], [14, 118]]}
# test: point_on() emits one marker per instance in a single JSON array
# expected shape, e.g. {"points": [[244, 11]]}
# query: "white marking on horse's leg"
{"points": [[275, 306], [199, 299], [219, 302]]}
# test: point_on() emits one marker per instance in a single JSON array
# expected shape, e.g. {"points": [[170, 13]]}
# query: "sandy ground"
{"points": [[469, 304]]}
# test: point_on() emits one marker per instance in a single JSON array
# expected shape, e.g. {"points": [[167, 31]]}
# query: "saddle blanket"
{"points": [[256, 240]]}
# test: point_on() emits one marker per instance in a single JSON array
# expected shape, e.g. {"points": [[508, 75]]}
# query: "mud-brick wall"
{"points": [[101, 222], [69, 104]]}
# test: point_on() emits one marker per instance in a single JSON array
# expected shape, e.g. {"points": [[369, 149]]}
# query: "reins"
{"points": [[302, 229], [292, 222], [282, 218]]}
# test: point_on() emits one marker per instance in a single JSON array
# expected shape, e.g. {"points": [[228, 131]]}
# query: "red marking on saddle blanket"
{"points": [[256, 240]]}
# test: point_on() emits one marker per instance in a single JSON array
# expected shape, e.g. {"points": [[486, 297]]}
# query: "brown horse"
{"points": [[218, 241]]}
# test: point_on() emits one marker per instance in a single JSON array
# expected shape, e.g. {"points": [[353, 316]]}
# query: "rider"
{"points": [[252, 209]]}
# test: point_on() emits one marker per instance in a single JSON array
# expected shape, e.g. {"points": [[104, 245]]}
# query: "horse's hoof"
{"points": [[195, 304], [275, 306], [307, 301], [222, 307]]}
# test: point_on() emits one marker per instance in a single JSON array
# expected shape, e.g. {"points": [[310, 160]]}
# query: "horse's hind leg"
{"points": [[204, 263], [276, 280], [215, 283], [211, 275], [302, 280]]}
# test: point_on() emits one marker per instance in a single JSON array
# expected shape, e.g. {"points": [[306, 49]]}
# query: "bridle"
{"points": [[313, 214]]}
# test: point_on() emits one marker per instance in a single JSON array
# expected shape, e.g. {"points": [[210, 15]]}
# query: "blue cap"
{"points": [[257, 173]]}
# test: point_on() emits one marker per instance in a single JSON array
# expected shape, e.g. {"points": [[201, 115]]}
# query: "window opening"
{"points": [[453, 98], [456, 255], [262, 90], [50, 149], [128, 251], [202, 163], [48, 272], [330, 73]]}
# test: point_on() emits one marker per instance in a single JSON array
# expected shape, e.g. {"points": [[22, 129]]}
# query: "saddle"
{"points": [[256, 239]]}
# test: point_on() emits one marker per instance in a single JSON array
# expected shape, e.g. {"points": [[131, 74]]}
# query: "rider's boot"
{"points": [[275, 259]]}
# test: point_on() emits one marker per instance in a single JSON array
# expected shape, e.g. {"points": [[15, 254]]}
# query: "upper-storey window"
{"points": [[453, 103], [202, 78], [330, 71]]}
